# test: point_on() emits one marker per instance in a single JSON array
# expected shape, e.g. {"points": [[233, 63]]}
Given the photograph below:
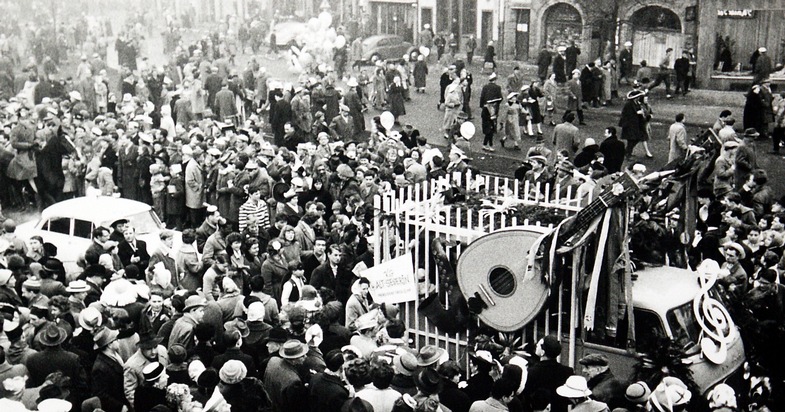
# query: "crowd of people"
{"points": [[263, 306]]}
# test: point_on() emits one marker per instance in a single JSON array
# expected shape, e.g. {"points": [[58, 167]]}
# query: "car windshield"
{"points": [[684, 327], [145, 222]]}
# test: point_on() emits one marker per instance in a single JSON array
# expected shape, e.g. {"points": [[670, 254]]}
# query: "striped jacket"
{"points": [[258, 210]]}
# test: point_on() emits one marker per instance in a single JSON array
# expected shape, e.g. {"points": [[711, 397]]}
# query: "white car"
{"points": [[69, 225]]}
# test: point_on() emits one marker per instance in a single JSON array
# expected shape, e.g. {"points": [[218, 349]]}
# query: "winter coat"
{"points": [[190, 267], [127, 171], [107, 382], [632, 123], [574, 95], [395, 95], [354, 102], [327, 393], [23, 166], [420, 74], [273, 273], [194, 185]]}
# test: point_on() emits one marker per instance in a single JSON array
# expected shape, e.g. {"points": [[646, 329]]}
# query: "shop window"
{"points": [[654, 18]]}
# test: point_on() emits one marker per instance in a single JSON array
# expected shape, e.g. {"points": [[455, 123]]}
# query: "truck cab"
{"points": [[663, 307]]}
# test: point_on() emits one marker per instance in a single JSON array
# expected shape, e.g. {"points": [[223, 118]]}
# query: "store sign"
{"points": [[736, 14]]}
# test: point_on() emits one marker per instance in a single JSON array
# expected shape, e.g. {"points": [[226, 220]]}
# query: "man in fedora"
{"points": [[183, 330], [95, 276], [118, 227], [429, 385], [107, 373], [282, 382], [49, 286], [275, 340], [149, 351], [53, 358], [605, 387], [77, 291], [577, 392]]}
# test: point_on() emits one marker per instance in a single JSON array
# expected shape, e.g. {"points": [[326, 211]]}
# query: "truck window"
{"points": [[648, 329], [59, 225], [683, 326]]}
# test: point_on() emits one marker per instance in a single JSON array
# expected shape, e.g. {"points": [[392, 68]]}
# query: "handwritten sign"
{"points": [[393, 281], [736, 14]]}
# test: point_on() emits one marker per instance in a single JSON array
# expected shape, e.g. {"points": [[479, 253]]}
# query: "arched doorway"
{"points": [[563, 24], [655, 29]]}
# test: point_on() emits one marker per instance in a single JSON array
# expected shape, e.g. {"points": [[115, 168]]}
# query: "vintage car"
{"points": [[69, 225], [385, 46], [663, 307]]}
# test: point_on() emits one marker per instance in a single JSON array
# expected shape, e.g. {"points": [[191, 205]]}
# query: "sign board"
{"points": [[736, 14], [522, 27], [392, 281]]}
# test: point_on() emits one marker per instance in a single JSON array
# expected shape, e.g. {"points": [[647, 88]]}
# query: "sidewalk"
{"points": [[700, 107]]}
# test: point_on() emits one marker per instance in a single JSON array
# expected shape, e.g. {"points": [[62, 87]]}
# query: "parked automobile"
{"points": [[663, 307], [69, 225], [385, 46]]}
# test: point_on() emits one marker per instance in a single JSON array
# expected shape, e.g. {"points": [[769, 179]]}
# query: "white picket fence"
{"points": [[406, 215]]}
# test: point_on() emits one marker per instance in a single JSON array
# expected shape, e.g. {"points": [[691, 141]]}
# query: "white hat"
{"points": [[589, 142], [352, 82], [77, 286], [54, 405], [762, 50], [628, 43], [5, 276], [575, 387], [561, 49], [146, 137], [75, 95], [255, 312]]}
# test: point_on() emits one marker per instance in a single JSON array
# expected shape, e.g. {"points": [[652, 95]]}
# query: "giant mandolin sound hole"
{"points": [[502, 281]]}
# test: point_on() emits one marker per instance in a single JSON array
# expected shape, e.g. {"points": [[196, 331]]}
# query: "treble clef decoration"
{"points": [[712, 317]]}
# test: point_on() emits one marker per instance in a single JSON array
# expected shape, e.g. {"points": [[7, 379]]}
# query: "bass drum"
{"points": [[499, 269]]}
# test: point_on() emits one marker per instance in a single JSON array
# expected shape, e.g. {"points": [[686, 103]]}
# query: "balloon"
{"points": [[325, 20], [328, 45], [425, 51], [467, 130], [387, 119], [314, 24], [340, 42], [305, 60], [330, 34]]}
